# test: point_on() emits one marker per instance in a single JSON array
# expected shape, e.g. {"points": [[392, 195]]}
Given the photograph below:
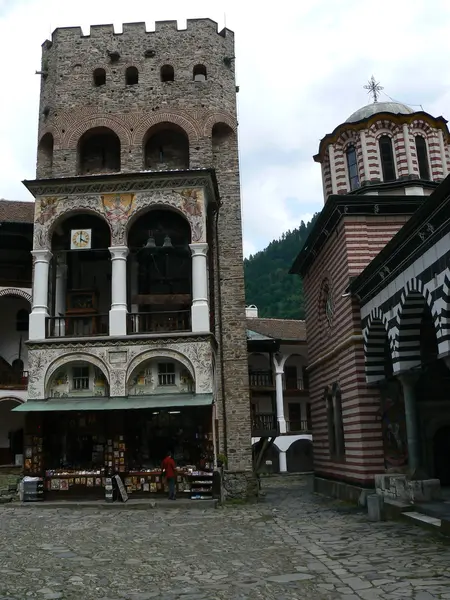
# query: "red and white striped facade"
{"points": [[351, 230], [336, 351], [364, 137]]}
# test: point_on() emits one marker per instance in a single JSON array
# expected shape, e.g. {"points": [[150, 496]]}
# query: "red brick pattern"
{"points": [[336, 353]]}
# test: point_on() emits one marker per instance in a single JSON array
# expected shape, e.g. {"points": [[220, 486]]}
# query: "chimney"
{"points": [[251, 312]]}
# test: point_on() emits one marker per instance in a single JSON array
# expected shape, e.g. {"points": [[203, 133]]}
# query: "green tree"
{"points": [[268, 284]]}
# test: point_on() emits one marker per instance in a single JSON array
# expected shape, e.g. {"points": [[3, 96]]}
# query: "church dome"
{"points": [[397, 108]]}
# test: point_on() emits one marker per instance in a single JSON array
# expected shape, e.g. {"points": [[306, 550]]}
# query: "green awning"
{"points": [[132, 402]]}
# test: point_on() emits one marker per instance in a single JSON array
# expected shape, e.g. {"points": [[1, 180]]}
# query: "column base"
{"points": [[118, 321], [37, 326], [200, 318], [282, 426]]}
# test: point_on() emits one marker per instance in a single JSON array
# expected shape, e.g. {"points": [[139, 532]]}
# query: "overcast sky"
{"points": [[301, 69]]}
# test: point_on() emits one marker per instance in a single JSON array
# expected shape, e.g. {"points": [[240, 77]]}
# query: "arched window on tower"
{"points": [[199, 73], [352, 166], [167, 73], [387, 158], [132, 76], [99, 76], [422, 157]]}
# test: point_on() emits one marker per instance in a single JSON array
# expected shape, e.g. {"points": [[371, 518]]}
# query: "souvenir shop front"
{"points": [[77, 447]]}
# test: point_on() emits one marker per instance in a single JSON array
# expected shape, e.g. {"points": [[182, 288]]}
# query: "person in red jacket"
{"points": [[168, 467]]}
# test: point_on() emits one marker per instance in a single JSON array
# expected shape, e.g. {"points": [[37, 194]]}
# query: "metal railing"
{"points": [[77, 326], [264, 423], [14, 380], [260, 378], [166, 378], [298, 425], [159, 322]]}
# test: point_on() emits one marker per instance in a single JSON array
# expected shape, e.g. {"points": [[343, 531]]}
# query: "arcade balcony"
{"points": [[264, 425]]}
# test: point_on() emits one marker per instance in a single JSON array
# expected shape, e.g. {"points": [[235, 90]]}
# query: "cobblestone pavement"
{"points": [[295, 545]]}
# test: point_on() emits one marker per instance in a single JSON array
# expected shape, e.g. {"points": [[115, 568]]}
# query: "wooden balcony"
{"points": [[77, 326], [159, 322], [264, 425], [12, 380], [298, 427], [261, 379]]}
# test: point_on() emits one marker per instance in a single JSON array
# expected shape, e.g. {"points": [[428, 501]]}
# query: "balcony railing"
{"points": [[159, 322], [77, 326], [13, 380], [264, 424], [260, 378], [294, 384], [296, 426]]}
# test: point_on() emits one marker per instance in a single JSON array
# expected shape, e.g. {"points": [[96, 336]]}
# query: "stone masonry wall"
{"points": [[71, 105]]}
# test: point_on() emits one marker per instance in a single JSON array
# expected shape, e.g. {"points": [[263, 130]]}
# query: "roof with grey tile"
{"points": [[280, 329], [15, 211]]}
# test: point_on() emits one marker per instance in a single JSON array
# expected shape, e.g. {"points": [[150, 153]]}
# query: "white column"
{"points": [[200, 307], [118, 312], [443, 154], [408, 149], [39, 312], [280, 399], [60, 295], [332, 169], [283, 462], [364, 155]]}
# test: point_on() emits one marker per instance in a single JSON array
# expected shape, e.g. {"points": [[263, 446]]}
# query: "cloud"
{"points": [[301, 68]]}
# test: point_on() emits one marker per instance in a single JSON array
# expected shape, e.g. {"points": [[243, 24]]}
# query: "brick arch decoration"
{"points": [[53, 131], [444, 337], [188, 125], [384, 125], [422, 125], [160, 353], [68, 359], [374, 335], [216, 118], [17, 293], [407, 343], [117, 126]]}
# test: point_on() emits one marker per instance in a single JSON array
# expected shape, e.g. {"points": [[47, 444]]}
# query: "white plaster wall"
{"points": [[284, 442], [9, 421], [10, 338]]}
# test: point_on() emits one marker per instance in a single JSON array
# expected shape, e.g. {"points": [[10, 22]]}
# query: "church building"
{"points": [[375, 277]]}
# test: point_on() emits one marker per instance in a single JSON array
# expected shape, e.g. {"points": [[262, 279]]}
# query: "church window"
{"points": [[167, 73], [352, 165], [132, 76], [422, 157], [99, 77], [387, 158]]}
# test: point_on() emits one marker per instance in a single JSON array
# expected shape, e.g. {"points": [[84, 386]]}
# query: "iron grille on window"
{"points": [[81, 378], [166, 374]]}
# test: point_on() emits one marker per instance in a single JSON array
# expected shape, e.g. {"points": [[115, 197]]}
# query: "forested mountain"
{"points": [[268, 284]]}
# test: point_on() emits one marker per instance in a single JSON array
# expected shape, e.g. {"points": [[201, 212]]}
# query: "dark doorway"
{"points": [[441, 449], [300, 457]]}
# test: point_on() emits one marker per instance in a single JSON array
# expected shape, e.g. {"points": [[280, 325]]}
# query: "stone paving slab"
{"points": [[294, 546]]}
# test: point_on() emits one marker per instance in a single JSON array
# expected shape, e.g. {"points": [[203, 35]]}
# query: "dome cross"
{"points": [[373, 88]]}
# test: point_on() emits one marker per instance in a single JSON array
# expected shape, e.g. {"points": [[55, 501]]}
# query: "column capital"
{"points": [[118, 252], [42, 255], [199, 249]]}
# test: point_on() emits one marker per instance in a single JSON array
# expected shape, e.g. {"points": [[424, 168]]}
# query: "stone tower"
{"points": [[142, 125]]}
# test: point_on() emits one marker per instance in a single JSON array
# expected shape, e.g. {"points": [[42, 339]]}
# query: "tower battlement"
{"points": [[201, 26]]}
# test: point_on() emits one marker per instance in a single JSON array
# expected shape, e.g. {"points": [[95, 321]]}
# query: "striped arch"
{"points": [[423, 126], [17, 293], [115, 124], [409, 318], [385, 125], [375, 334], [187, 124], [444, 337], [218, 117]]}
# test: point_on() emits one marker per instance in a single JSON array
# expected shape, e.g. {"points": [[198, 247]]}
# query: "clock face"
{"points": [[80, 239]]}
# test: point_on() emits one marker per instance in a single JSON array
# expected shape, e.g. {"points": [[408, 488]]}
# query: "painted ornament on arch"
{"points": [[118, 207]]}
